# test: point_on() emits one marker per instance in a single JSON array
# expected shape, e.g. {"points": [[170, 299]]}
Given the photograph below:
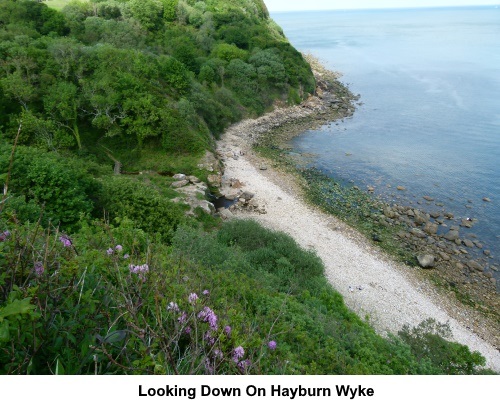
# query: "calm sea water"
{"points": [[429, 81]]}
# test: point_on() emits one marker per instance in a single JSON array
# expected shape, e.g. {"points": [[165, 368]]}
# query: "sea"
{"points": [[429, 119]]}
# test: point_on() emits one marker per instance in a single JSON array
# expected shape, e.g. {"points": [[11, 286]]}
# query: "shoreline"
{"points": [[373, 285]]}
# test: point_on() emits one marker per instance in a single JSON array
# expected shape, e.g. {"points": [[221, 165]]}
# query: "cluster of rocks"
{"points": [[239, 199], [194, 193], [442, 242]]}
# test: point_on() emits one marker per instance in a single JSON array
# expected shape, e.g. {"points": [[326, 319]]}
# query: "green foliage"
{"points": [[228, 52], [274, 253], [148, 12], [169, 9], [114, 300], [63, 188], [429, 343], [123, 197]]}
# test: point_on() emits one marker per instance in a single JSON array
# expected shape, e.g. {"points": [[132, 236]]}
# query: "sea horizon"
{"points": [[479, 6]]}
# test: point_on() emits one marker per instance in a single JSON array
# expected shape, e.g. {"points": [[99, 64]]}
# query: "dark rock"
{"points": [[247, 195]]}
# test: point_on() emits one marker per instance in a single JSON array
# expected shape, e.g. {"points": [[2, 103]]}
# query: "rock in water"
{"points": [[452, 235], [426, 261], [474, 265]]}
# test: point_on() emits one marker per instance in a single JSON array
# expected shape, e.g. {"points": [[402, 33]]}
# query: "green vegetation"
{"points": [[105, 274], [132, 73]]}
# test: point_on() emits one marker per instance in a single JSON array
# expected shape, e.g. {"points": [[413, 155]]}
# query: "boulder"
{"points": [[179, 176], [452, 235], [246, 195], [417, 232], [426, 261], [467, 223], [226, 214], [431, 228], [444, 256], [468, 243], [473, 265], [194, 179], [180, 183], [214, 180]]}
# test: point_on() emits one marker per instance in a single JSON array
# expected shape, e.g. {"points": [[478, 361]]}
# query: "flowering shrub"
{"points": [[66, 304]]}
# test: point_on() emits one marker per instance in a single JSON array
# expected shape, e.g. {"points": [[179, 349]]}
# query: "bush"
{"points": [[62, 187], [430, 345], [123, 197]]}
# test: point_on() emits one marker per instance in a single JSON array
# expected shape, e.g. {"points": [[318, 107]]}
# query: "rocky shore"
{"points": [[390, 294]]}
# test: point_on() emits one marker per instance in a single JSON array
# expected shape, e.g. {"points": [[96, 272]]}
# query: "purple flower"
{"points": [[244, 365], [272, 345], [208, 366], [182, 318], [126, 256], [110, 251], [4, 235], [206, 292], [207, 315], [238, 353], [218, 354], [193, 297], [187, 331], [138, 269], [173, 307], [118, 248], [227, 330], [39, 270], [209, 338], [65, 241]]}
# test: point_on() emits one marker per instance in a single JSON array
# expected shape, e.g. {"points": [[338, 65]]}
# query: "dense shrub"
{"points": [[123, 197], [63, 189]]}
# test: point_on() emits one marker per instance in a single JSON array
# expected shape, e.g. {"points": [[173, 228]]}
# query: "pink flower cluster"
{"points": [[238, 353], [65, 240], [209, 316], [4, 235], [117, 248]]}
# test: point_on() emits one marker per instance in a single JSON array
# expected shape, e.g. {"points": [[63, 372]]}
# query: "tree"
{"points": [[148, 12], [61, 102]]}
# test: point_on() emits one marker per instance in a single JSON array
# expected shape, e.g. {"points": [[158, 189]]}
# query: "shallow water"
{"points": [[429, 81]]}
